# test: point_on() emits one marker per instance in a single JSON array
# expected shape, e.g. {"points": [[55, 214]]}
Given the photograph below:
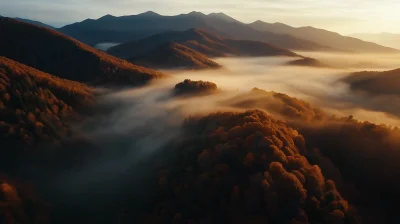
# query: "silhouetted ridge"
{"points": [[107, 17], [195, 13], [306, 61], [202, 41], [385, 39], [222, 16], [173, 55], [149, 13], [375, 83], [135, 27], [33, 22], [55, 53], [323, 37]]}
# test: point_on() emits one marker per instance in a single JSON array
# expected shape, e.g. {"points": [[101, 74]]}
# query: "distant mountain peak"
{"points": [[223, 16], [258, 21], [149, 13], [218, 13], [195, 13], [106, 17]]}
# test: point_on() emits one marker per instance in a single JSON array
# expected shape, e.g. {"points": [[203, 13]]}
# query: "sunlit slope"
{"points": [[57, 54], [173, 55], [202, 41]]}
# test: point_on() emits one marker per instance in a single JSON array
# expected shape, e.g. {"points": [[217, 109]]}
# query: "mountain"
{"points": [[308, 62], [245, 167], [202, 41], [34, 107], [222, 16], [386, 39], [34, 22], [57, 54], [127, 28], [375, 83], [323, 37], [173, 55]]}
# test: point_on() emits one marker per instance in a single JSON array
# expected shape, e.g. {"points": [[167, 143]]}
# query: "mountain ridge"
{"points": [[34, 22], [134, 27], [174, 55], [384, 38], [202, 41], [323, 37], [63, 56]]}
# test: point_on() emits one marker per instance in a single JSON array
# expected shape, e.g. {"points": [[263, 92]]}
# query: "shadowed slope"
{"points": [[55, 53], [173, 55], [134, 27], [323, 37], [34, 22], [20, 204], [202, 41], [308, 62], [33, 106], [376, 83]]}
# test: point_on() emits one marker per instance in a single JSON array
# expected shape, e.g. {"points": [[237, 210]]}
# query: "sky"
{"points": [[343, 16]]}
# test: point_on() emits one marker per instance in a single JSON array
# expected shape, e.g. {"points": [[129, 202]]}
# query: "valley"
{"points": [[196, 118]]}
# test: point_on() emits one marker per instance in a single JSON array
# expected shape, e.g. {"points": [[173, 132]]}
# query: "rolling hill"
{"points": [[189, 87], [57, 54], [308, 62], [33, 106], [323, 37], [202, 41], [375, 83], [173, 55], [135, 27]]}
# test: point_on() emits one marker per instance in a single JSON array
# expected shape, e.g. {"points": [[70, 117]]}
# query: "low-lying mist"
{"points": [[135, 126], [144, 119], [323, 87]]}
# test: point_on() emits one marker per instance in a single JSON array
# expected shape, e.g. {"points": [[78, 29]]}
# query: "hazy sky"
{"points": [[344, 16]]}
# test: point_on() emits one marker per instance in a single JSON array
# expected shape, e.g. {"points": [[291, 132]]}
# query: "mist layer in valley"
{"points": [[142, 133], [133, 134], [323, 87]]}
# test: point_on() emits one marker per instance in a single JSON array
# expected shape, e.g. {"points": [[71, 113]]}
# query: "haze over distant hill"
{"points": [[322, 37], [55, 53], [376, 83], [173, 55], [34, 22], [309, 62], [134, 27], [386, 39], [202, 41]]}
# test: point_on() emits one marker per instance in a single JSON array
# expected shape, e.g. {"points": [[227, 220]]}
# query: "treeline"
{"points": [[19, 204], [361, 157], [245, 168], [189, 87], [34, 107]]}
